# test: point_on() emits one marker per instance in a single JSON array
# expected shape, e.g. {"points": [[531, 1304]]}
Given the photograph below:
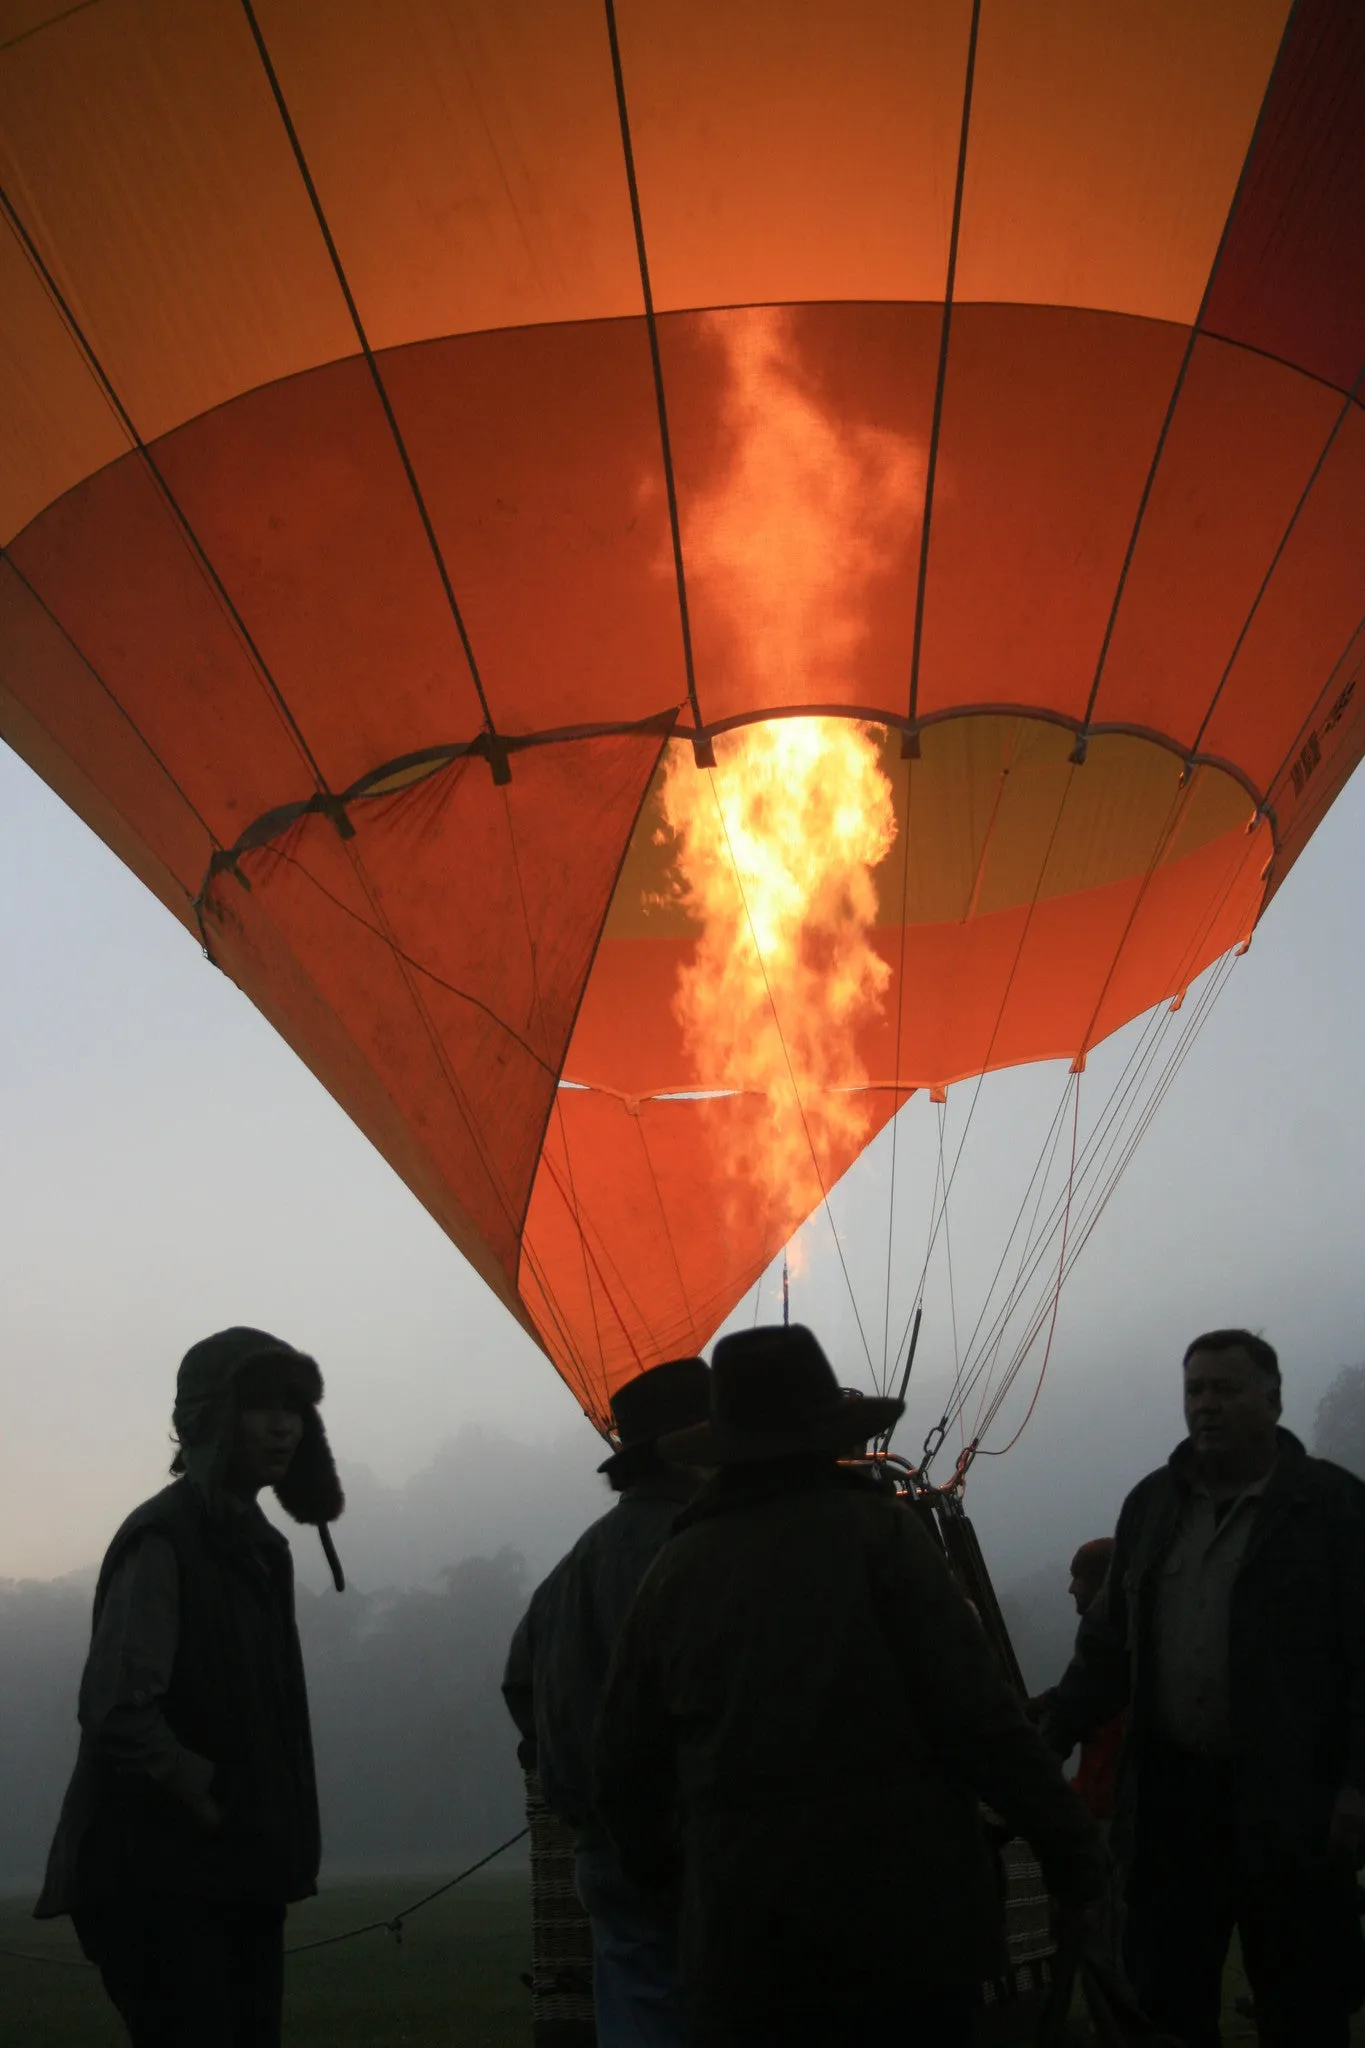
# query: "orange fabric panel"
{"points": [[539, 457], [1105, 148], [1311, 610], [643, 1247], [56, 714], [475, 178], [451, 937], [144, 153], [55, 423], [1246, 434], [298, 496], [794, 153], [111, 564], [1049, 423]]}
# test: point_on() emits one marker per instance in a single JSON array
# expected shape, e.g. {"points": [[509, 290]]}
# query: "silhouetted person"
{"points": [[191, 1819], [1232, 1625], [1096, 1779], [556, 1670], [801, 1718]]}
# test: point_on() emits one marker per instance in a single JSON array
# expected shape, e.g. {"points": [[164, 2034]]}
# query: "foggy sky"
{"points": [[167, 1166]]}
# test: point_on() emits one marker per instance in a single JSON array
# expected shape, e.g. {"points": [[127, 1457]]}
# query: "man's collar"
{"points": [[1291, 1460]]}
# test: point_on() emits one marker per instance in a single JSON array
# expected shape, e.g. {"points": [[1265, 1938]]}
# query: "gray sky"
{"points": [[167, 1166]]}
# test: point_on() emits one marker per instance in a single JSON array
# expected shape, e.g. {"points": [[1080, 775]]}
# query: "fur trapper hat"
{"points": [[205, 1418]]}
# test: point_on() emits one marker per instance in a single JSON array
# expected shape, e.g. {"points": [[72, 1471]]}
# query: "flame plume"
{"points": [[775, 848], [774, 859]]}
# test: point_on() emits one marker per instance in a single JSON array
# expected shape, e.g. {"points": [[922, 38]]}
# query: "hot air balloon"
{"points": [[650, 579]]}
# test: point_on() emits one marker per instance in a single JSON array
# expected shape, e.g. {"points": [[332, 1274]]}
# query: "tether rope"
{"points": [[392, 1925]]}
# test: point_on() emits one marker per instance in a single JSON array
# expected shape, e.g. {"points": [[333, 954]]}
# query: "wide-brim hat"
{"points": [[774, 1395], [669, 1397]]}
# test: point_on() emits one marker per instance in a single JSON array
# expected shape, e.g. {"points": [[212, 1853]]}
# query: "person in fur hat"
{"points": [[556, 1669], [191, 1819]]}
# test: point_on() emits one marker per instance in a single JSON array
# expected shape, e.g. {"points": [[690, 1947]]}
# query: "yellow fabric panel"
{"points": [[55, 424], [468, 157], [789, 152], [143, 151], [1106, 143]]}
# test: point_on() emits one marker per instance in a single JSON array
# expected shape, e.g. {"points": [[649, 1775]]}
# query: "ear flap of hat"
{"points": [[310, 1490]]}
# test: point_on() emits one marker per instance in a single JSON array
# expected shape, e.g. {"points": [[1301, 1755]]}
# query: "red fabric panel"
{"points": [[1321, 756], [1049, 423], [1312, 608], [1246, 434], [1291, 279], [55, 713], [109, 561], [538, 451], [298, 496], [991, 991], [450, 940], [631, 1233]]}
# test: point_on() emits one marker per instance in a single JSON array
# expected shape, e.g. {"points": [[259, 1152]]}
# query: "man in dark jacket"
{"points": [[191, 1819], [802, 1717], [556, 1669], [1232, 1626]]}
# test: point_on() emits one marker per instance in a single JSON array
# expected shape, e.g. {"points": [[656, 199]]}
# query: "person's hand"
{"points": [[1346, 1830]]}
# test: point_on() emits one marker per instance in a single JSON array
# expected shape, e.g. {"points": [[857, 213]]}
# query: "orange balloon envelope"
{"points": [[431, 434]]}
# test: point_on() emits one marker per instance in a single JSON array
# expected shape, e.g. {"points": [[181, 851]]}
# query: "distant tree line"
{"points": [[416, 1756]]}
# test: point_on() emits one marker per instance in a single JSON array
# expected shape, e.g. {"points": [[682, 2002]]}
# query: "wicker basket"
{"points": [[561, 1939]]}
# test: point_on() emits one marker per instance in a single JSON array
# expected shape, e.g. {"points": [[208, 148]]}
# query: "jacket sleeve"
{"points": [[971, 1717], [635, 1764], [1351, 1542], [518, 1690], [128, 1672], [1097, 1684]]}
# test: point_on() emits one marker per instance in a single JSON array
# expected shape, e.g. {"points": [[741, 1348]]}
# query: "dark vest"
{"points": [[236, 1697]]}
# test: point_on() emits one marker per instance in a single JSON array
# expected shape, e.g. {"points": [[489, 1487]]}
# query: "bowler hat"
{"points": [[671, 1396], [774, 1395]]}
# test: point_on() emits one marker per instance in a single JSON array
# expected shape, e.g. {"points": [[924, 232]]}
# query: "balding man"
{"points": [[1232, 1627]]}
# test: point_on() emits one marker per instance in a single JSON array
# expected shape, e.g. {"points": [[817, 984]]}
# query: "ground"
{"points": [[456, 1976]]}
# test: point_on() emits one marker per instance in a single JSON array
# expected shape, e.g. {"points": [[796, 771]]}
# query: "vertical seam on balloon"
{"points": [[371, 362], [656, 359], [1275, 559], [990, 1045], [1160, 849], [1187, 357], [885, 1381], [188, 535], [122, 711], [667, 721], [941, 378], [639, 1123], [607, 1295]]}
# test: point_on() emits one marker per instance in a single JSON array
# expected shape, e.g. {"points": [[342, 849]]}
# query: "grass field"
{"points": [[455, 1978]]}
